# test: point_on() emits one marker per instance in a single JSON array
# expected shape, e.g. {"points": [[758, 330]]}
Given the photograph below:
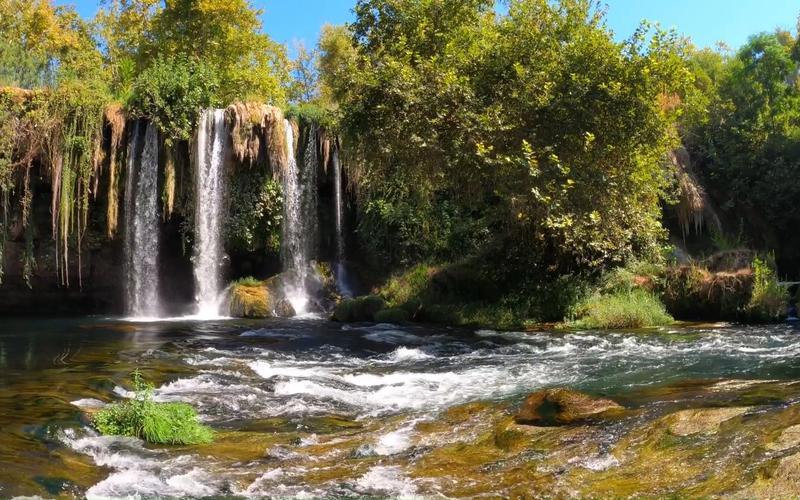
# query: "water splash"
{"points": [[300, 216], [209, 195], [142, 226]]}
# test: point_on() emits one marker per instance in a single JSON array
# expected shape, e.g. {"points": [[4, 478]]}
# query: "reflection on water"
{"points": [[319, 408]]}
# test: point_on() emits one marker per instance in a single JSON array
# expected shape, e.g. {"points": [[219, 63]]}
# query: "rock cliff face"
{"points": [[62, 239]]}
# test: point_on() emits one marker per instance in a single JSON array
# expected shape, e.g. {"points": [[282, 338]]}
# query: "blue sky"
{"points": [[705, 21]]}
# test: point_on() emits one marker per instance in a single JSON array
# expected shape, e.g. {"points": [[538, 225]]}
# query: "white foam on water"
{"points": [[599, 463], [88, 403], [408, 354], [139, 472], [395, 442], [386, 480]]}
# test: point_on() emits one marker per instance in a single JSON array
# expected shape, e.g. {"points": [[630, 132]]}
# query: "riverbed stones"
{"points": [[701, 420], [561, 406]]}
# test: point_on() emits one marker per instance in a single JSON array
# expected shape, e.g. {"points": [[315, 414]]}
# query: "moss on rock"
{"points": [[250, 299]]}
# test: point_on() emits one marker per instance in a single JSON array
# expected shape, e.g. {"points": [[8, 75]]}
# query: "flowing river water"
{"points": [[316, 408]]}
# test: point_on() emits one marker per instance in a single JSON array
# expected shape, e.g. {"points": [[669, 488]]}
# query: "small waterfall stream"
{"points": [[209, 194], [142, 226], [341, 272], [300, 216]]}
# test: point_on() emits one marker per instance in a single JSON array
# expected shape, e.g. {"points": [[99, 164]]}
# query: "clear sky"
{"points": [[705, 21]]}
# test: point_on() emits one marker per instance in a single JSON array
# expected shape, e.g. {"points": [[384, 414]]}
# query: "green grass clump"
{"points": [[157, 423], [631, 309], [248, 281]]}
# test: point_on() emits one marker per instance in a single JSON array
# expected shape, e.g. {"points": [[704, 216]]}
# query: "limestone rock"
{"points": [[701, 420], [564, 406], [284, 309]]}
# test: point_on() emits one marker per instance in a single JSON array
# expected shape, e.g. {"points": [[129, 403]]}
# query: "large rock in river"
{"points": [[564, 406]]}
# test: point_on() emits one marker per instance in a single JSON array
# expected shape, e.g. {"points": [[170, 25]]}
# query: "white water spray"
{"points": [[209, 195], [142, 226]]}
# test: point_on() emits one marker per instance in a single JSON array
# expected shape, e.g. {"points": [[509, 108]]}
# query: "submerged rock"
{"points": [[701, 420], [563, 406]]}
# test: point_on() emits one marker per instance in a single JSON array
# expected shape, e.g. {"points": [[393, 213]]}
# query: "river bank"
{"points": [[320, 408]]}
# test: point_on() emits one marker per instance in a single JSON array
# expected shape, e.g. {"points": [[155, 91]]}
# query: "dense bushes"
{"points": [[158, 423], [531, 132]]}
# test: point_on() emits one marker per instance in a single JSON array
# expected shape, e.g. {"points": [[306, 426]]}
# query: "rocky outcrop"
{"points": [[564, 406]]}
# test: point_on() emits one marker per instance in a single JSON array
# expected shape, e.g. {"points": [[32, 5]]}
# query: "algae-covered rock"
{"points": [[564, 406], [789, 438], [358, 309], [250, 299], [700, 420], [781, 482]]}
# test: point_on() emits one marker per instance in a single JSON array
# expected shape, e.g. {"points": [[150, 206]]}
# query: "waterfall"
{"points": [[341, 272], [209, 194], [142, 226], [300, 216]]}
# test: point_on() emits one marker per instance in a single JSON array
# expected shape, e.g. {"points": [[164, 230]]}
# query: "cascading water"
{"points": [[341, 272], [300, 214], [209, 194], [142, 226]]}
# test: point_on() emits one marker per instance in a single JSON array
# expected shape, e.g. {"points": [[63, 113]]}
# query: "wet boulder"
{"points": [[561, 406], [284, 309], [700, 420]]}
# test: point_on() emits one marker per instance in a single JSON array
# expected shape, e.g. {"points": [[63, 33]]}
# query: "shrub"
{"points": [[358, 309], [768, 299], [392, 315], [627, 309], [158, 423]]}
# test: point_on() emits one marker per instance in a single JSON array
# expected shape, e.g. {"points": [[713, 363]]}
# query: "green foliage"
{"points": [[171, 92], [256, 212], [623, 309], [533, 130], [744, 139], [358, 309], [392, 315], [247, 281], [158, 423], [769, 299]]}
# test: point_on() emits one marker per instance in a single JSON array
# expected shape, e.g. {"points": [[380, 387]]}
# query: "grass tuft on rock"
{"points": [[157, 423], [625, 309]]}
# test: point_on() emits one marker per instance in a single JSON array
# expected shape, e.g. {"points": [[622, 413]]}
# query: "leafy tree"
{"points": [[541, 129], [747, 147]]}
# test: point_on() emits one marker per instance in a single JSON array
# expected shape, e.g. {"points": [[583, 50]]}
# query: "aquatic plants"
{"points": [[157, 423]]}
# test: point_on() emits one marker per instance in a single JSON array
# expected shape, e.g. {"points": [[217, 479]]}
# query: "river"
{"points": [[316, 408]]}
